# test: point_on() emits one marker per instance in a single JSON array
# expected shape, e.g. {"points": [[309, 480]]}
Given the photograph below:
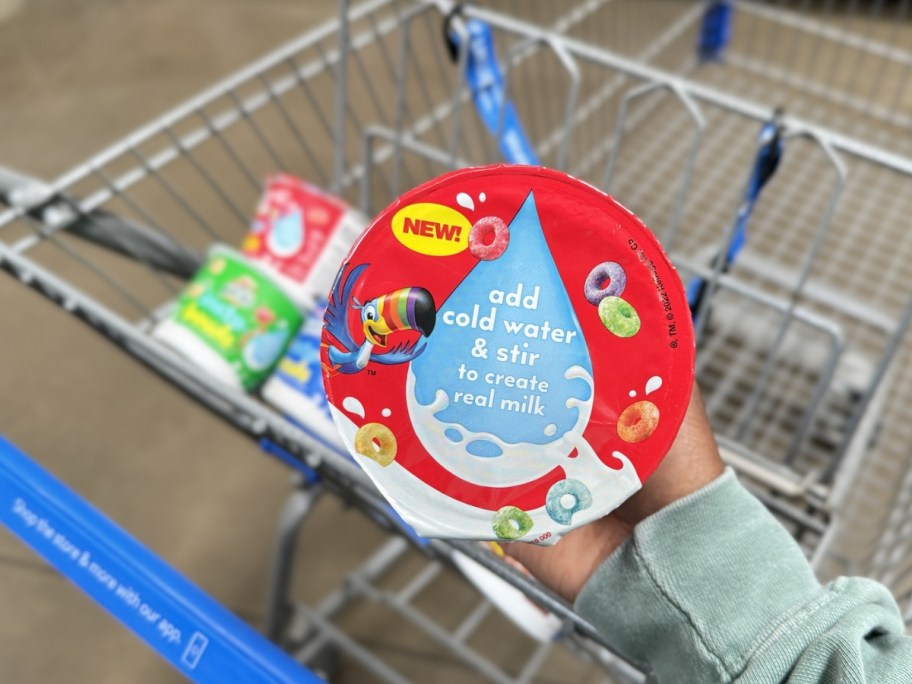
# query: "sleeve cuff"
{"points": [[699, 584]]}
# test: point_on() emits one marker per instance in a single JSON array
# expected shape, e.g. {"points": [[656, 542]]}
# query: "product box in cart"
{"points": [[301, 233], [508, 353], [242, 310]]}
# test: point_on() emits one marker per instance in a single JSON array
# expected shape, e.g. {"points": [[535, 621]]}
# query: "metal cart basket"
{"points": [[801, 350]]}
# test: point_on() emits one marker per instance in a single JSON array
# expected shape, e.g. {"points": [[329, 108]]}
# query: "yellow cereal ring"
{"points": [[377, 442]]}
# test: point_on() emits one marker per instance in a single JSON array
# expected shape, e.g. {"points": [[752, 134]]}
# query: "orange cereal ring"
{"points": [[376, 442], [638, 421]]}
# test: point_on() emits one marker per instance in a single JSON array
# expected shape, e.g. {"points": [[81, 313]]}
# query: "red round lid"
{"points": [[508, 353]]}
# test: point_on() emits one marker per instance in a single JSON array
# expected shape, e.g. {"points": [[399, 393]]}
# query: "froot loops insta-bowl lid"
{"points": [[508, 353]]}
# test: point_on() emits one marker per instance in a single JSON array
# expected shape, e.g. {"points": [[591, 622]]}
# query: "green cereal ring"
{"points": [[511, 522], [619, 317]]}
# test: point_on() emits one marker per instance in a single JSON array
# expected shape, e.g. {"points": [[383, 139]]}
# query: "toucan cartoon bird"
{"points": [[409, 308]]}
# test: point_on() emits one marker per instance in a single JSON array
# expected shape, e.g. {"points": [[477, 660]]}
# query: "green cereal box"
{"points": [[233, 320]]}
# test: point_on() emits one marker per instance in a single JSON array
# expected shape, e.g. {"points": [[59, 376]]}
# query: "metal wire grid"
{"points": [[195, 171], [832, 214], [443, 619], [848, 60]]}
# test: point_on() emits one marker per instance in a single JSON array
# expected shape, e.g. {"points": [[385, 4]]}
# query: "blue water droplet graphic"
{"points": [[264, 349], [505, 340], [287, 234], [483, 448]]}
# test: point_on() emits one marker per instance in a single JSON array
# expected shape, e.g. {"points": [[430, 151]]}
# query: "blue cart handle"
{"points": [[485, 80], [194, 633]]}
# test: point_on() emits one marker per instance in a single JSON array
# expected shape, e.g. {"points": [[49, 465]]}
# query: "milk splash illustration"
{"points": [[504, 389]]}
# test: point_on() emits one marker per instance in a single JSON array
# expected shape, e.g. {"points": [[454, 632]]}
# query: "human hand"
{"points": [[692, 462]]}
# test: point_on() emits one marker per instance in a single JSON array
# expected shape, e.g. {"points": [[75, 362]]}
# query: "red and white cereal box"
{"points": [[301, 233]]}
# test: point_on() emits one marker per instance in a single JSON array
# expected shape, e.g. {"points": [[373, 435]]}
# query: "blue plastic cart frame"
{"points": [[199, 637]]}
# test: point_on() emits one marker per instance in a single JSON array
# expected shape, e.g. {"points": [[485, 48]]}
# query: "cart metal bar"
{"points": [[126, 237], [853, 102], [883, 366], [223, 87], [831, 330], [829, 297], [750, 406], [534, 663], [88, 263], [569, 64], [698, 91], [357, 651], [585, 111], [780, 479], [341, 95], [699, 122], [791, 19], [472, 621], [418, 583], [377, 564], [296, 508], [435, 631], [242, 111]]}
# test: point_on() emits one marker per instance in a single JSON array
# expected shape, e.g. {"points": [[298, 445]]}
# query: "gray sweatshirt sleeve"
{"points": [[713, 589]]}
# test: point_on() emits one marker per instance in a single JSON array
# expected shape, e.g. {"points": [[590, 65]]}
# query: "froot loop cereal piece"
{"points": [[377, 442], [638, 421], [608, 279], [619, 317], [511, 522], [566, 498], [489, 238]]}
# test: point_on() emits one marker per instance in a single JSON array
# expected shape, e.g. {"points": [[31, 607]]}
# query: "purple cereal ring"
{"points": [[608, 279], [489, 238]]}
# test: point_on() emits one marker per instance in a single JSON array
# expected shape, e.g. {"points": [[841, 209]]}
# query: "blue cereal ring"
{"points": [[559, 513]]}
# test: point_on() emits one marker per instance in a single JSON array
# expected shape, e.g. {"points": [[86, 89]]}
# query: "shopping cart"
{"points": [[801, 349]]}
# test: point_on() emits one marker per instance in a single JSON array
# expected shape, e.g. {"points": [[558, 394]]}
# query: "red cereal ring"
{"points": [[489, 238]]}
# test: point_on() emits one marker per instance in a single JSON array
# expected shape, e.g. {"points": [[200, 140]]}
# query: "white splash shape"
{"points": [[550, 429], [632, 393], [465, 200], [653, 384], [354, 406], [518, 463], [482, 197], [386, 413]]}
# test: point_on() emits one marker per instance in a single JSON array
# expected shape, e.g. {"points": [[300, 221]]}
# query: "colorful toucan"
{"points": [[409, 308]]}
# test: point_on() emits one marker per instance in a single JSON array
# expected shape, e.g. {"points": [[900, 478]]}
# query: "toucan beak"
{"points": [[376, 332]]}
